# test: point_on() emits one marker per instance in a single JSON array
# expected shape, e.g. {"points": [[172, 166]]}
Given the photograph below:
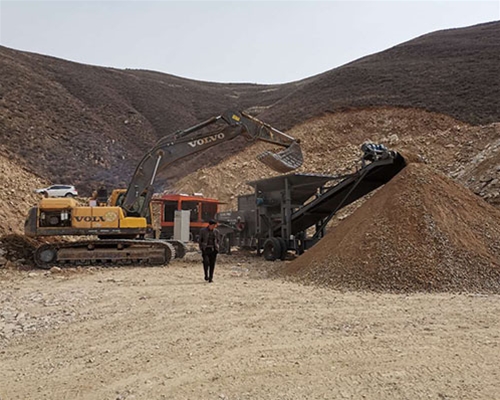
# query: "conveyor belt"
{"points": [[352, 188]]}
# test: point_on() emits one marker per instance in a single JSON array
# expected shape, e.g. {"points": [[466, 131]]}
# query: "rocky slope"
{"points": [[16, 195], [482, 173], [80, 124], [331, 146]]}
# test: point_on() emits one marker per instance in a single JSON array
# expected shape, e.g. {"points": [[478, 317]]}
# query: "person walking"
{"points": [[209, 245]]}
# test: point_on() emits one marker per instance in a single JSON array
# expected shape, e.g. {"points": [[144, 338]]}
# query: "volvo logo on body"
{"points": [[206, 140], [80, 218], [108, 217]]}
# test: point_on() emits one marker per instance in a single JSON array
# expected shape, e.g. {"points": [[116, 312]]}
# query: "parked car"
{"points": [[58, 191]]}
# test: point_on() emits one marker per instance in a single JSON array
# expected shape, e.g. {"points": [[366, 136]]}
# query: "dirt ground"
{"points": [[163, 333]]}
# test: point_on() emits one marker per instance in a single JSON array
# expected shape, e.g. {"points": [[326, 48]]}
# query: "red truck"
{"points": [[202, 209]]}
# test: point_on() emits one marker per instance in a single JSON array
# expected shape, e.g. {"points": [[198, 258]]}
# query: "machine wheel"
{"points": [[284, 249], [272, 249], [69, 195], [45, 255], [225, 244], [180, 248], [169, 253]]}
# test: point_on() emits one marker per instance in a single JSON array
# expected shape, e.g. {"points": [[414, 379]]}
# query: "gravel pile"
{"points": [[16, 251], [420, 232]]}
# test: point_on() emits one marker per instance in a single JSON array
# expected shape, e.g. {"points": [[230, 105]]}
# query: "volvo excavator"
{"points": [[118, 229]]}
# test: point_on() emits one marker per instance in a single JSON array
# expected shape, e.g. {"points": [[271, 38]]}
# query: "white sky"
{"points": [[228, 41]]}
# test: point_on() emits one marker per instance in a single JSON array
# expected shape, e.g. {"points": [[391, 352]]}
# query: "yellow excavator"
{"points": [[117, 231]]}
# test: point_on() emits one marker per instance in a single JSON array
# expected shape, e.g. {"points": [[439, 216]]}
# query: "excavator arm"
{"points": [[185, 143]]}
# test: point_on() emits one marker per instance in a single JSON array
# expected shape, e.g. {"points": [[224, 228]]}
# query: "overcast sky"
{"points": [[228, 41]]}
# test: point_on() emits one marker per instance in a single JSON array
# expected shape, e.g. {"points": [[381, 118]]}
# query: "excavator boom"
{"points": [[181, 144]]}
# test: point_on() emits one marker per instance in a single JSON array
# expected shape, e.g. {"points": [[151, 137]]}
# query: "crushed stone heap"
{"points": [[420, 232], [16, 251]]}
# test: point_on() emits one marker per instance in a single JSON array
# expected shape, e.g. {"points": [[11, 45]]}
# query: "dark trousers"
{"points": [[209, 257]]}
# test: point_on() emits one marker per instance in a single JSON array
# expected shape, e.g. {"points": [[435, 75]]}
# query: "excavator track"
{"points": [[107, 252], [180, 248]]}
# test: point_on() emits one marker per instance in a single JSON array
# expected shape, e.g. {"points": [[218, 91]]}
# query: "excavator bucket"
{"points": [[284, 161]]}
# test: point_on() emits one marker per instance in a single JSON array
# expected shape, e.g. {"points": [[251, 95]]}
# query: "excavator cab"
{"points": [[117, 197]]}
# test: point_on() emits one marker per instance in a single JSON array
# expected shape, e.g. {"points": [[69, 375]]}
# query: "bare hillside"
{"points": [[83, 124], [454, 72]]}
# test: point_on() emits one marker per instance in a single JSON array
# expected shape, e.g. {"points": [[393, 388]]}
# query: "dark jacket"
{"points": [[203, 242]]}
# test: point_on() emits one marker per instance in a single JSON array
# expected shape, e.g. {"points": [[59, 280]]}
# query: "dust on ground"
{"points": [[164, 333]]}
